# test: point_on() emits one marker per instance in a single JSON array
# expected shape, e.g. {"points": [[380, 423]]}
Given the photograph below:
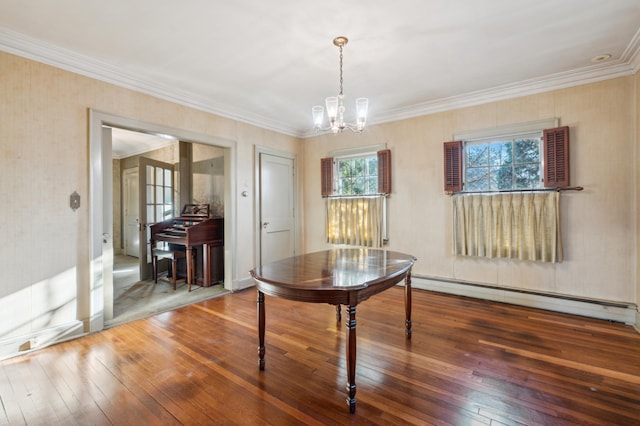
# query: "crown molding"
{"points": [[46, 53], [548, 83], [37, 50], [631, 54]]}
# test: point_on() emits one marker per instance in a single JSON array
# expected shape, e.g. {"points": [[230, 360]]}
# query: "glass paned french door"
{"points": [[156, 203]]}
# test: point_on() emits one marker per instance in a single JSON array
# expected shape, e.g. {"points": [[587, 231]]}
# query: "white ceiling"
{"points": [[267, 63], [125, 143]]}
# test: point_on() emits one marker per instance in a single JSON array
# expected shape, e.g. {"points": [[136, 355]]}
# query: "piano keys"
{"points": [[192, 229]]}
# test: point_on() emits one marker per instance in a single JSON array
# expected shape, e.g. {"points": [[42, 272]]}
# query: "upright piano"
{"points": [[192, 229]]}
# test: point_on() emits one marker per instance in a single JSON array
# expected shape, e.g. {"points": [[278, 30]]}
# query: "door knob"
{"points": [[264, 225]]}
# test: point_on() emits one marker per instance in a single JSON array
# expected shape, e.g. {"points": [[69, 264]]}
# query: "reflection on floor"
{"points": [[135, 299]]}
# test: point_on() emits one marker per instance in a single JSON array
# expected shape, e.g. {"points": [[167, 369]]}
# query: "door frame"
{"points": [[128, 175], [91, 300], [258, 202]]}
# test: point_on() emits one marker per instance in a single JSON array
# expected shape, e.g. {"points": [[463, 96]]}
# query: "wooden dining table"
{"points": [[342, 276]]}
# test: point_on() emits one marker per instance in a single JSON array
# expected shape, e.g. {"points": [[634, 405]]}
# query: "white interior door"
{"points": [[277, 208], [131, 213], [156, 204]]}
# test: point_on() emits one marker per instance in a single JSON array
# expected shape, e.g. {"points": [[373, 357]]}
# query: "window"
{"points": [[503, 164], [357, 176], [364, 174], [534, 160], [355, 183]]}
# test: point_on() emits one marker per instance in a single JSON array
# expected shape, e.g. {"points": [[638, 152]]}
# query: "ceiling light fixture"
{"points": [[601, 58], [335, 106]]}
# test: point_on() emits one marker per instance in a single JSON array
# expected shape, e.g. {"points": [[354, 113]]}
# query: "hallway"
{"points": [[135, 299]]}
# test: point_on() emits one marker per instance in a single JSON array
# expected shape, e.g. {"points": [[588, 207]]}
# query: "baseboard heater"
{"points": [[593, 308]]}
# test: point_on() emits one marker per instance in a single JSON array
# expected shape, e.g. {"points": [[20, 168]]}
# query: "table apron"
{"points": [[331, 296]]}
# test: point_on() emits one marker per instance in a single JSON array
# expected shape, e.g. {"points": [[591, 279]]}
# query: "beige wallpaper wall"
{"points": [[44, 158], [598, 224]]}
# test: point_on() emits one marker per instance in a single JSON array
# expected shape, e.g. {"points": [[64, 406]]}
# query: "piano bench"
{"points": [[172, 256]]}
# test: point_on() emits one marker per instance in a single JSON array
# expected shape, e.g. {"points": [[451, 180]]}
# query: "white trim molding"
{"points": [[607, 310], [21, 345]]}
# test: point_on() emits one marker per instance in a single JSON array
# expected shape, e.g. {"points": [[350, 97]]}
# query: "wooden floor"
{"points": [[469, 362]]}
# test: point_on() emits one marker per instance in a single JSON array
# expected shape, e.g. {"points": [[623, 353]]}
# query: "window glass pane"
{"points": [[151, 217], [500, 153], [159, 212], [372, 164], [527, 176], [150, 175], [345, 168], [347, 187], [148, 238], [168, 212], [527, 151], [358, 186], [358, 166], [159, 175], [501, 178], [168, 199], [167, 177], [159, 195], [150, 194], [372, 185], [477, 179], [477, 155]]}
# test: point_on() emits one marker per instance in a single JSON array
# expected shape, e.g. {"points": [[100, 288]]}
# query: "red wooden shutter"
{"points": [[384, 171], [326, 176], [453, 166], [556, 157]]}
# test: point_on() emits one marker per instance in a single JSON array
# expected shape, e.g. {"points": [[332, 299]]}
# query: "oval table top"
{"points": [[333, 276]]}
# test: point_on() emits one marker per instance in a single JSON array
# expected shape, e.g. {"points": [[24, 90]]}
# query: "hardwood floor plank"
{"points": [[469, 362]]}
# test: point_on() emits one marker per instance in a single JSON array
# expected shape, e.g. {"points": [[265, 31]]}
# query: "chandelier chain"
{"points": [[340, 70]]}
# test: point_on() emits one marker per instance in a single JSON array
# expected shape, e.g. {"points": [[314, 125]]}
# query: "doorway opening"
{"points": [[122, 288]]}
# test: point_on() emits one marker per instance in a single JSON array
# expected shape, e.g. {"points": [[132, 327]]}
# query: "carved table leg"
{"points": [[407, 304], [261, 326], [338, 313], [351, 358]]}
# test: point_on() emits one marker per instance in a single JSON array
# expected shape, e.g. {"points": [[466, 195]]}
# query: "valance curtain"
{"points": [[354, 220], [523, 226]]}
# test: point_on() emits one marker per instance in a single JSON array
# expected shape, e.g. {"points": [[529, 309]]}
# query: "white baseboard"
{"points": [[243, 283], [613, 311], [29, 342]]}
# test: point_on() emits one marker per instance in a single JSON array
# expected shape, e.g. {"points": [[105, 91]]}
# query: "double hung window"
{"points": [[499, 207], [355, 186], [535, 160], [360, 174]]}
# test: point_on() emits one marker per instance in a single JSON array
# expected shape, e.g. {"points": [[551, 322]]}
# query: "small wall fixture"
{"points": [[74, 201], [335, 106]]}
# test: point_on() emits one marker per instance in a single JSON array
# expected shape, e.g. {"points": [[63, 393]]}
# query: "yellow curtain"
{"points": [[354, 221], [523, 226]]}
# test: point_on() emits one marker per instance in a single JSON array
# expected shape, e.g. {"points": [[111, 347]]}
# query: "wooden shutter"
{"points": [[326, 176], [453, 166], [556, 157], [384, 171]]}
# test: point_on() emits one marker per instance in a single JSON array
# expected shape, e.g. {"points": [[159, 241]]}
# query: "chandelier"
{"points": [[335, 106]]}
